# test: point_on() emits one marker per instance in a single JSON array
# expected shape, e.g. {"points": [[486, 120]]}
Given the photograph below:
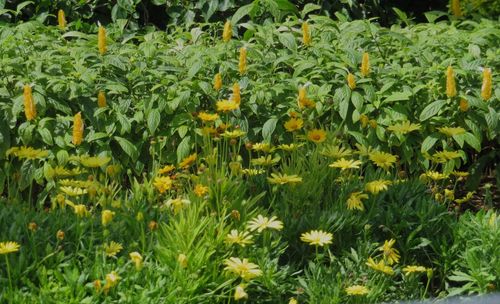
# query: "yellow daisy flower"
{"points": [[377, 186], [451, 131], [316, 135], [391, 255], [227, 105], [344, 164], [282, 179], [112, 249], [382, 159], [260, 223], [294, 124], [242, 268], [413, 268], [355, 201], [380, 266], [317, 237], [357, 290], [240, 238], [9, 247]]}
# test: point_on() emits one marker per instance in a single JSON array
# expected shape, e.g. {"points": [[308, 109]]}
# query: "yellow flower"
{"points": [[166, 169], [357, 290], [444, 156], [73, 191], [486, 87], [27, 152], [163, 183], [243, 268], [260, 223], [306, 33], [302, 99], [465, 198], [94, 161], [182, 259], [233, 134], [252, 172], [112, 249], [404, 127], [112, 280], [455, 8], [101, 99], [344, 164], [382, 159], [336, 152], [451, 89], [377, 186], [364, 119], [227, 105], [282, 179], [77, 129], [293, 301], [464, 105], [242, 65], [380, 266], [448, 131], [355, 201], [208, 117], [188, 161], [413, 268], [240, 238], [391, 255], [434, 175], [9, 247], [200, 190], [101, 40], [317, 237], [262, 147], [449, 194], [294, 124], [80, 210], [177, 204], [61, 19], [107, 217], [29, 103], [373, 123], [351, 81], [218, 81], [267, 160], [316, 135], [227, 32], [290, 147], [236, 97], [60, 235], [365, 64], [239, 293], [136, 257], [460, 173], [32, 226]]}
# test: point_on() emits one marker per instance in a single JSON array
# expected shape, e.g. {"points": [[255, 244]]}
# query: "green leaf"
{"points": [[268, 128], [357, 100], [183, 148], [472, 141], [398, 96], [46, 136], [432, 109], [241, 12], [127, 147], [288, 40], [309, 7], [428, 143], [153, 120]]}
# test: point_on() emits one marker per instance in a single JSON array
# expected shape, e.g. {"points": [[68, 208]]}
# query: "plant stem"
{"points": [[8, 272]]}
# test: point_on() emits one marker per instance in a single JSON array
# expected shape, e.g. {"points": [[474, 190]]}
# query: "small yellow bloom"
{"points": [[282, 179], [344, 164], [242, 65], [152, 225], [464, 105], [32, 226], [486, 87], [77, 129], [449, 194], [242, 268], [177, 204], [73, 191], [266, 160], [380, 266], [207, 116], [240, 238], [112, 280], [136, 258], [101, 40], [94, 161], [391, 255], [465, 199], [364, 119], [9, 247], [239, 293], [29, 103], [448, 131], [101, 99], [188, 161], [107, 217], [112, 249], [233, 134], [218, 81], [382, 159], [61, 19], [260, 223], [80, 210], [434, 175], [227, 32], [404, 127], [166, 169], [200, 190], [236, 97], [413, 268], [163, 183], [355, 201], [27, 153], [263, 147], [293, 301], [451, 89], [227, 105], [357, 290], [351, 81], [294, 124], [302, 99], [444, 156], [60, 235], [182, 260], [365, 64], [316, 135], [377, 186], [317, 238], [306, 33]]}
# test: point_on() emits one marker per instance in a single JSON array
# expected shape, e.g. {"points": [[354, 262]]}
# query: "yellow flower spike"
{"points": [[306, 33], [29, 103], [101, 99], [61, 19], [239, 293], [464, 105], [351, 81], [451, 89], [243, 61], [77, 129], [455, 8], [365, 64], [486, 87], [101, 40], [136, 258], [218, 81], [228, 31], [107, 217], [236, 97]]}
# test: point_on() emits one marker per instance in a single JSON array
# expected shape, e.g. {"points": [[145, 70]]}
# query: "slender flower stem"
{"points": [[8, 271]]}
